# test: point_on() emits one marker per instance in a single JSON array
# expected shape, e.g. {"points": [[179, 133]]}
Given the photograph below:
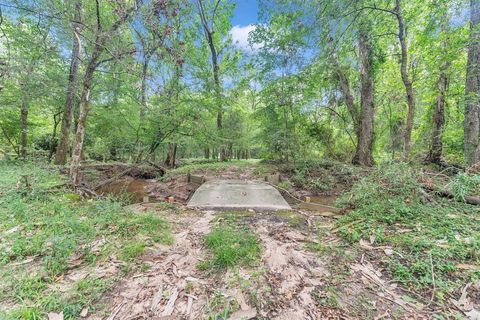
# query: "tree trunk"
{"points": [[472, 89], [407, 136], [24, 124], [171, 155], [143, 98], [53, 143], [347, 93], [84, 109], [207, 153], [216, 74], [62, 148], [436, 148], [218, 97], [363, 154]]}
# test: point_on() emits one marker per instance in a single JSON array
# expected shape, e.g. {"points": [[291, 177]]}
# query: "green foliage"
{"points": [[49, 226], [203, 167], [464, 184], [389, 206], [321, 175], [131, 251], [230, 246]]}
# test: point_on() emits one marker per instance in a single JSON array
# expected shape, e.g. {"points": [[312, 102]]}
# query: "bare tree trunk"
{"points": [[407, 136], [62, 149], [143, 98], [472, 89], [24, 125], [216, 74], [53, 144], [84, 109], [347, 93], [363, 154], [436, 148], [171, 155]]}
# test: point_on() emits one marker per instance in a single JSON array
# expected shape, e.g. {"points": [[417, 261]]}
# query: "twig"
{"points": [[121, 174], [433, 278], [347, 225], [116, 311]]}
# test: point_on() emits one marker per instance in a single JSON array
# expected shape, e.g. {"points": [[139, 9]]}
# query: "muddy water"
{"points": [[320, 204], [136, 189]]}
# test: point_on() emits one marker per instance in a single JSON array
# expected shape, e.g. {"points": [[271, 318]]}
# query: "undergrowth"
{"points": [[231, 244], [432, 242], [44, 228], [202, 167], [321, 175]]}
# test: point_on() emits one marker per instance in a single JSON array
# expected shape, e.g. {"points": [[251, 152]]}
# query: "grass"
{"points": [[388, 206], [216, 167], [44, 228], [321, 175], [231, 244]]}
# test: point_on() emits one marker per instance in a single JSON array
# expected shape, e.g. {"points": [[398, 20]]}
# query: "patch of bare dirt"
{"points": [[173, 288]]}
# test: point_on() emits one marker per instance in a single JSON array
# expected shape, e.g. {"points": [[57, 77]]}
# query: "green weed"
{"points": [[388, 204], [131, 251], [48, 225], [230, 246]]}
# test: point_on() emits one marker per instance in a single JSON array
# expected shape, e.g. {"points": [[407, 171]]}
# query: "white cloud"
{"points": [[240, 37]]}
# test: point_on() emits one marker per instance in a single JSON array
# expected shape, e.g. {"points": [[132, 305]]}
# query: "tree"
{"points": [[472, 88], [438, 118], [363, 153], [100, 38], [63, 144], [407, 138], [208, 23]]}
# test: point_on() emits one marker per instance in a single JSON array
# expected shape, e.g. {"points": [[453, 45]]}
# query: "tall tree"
{"points": [[436, 147], [208, 24], [407, 81], [100, 38], [363, 154], [63, 144], [472, 88]]}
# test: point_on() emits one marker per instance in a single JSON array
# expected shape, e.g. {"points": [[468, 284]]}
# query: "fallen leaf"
{"points": [[14, 229], [55, 316], [243, 314], [473, 314], [388, 252], [366, 245], [468, 267], [84, 312]]}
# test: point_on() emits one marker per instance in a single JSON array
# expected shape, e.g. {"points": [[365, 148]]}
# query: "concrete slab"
{"points": [[237, 194]]}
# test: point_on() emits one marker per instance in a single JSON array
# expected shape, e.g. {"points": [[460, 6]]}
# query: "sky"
{"points": [[244, 20]]}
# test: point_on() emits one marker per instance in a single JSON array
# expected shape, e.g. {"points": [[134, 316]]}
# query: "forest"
{"points": [[362, 117]]}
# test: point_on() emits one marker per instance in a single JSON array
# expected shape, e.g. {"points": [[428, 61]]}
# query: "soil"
{"points": [[305, 272], [290, 282]]}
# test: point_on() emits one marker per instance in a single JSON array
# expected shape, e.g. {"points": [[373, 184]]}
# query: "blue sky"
{"points": [[244, 19], [245, 12]]}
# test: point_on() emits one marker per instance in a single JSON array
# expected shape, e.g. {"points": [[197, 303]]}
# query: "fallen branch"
{"points": [[449, 195], [153, 164], [115, 177]]}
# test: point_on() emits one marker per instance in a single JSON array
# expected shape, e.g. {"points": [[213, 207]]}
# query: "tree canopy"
{"points": [[363, 81]]}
